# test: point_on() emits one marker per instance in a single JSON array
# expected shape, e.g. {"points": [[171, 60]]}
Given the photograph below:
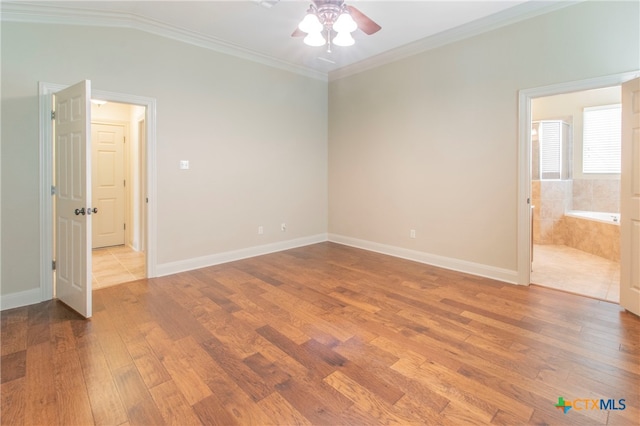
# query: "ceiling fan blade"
{"points": [[298, 33], [364, 22]]}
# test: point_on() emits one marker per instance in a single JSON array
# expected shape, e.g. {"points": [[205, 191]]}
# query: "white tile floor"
{"points": [[116, 265], [574, 271]]}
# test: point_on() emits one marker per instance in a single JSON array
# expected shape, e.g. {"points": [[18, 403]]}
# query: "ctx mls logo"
{"points": [[563, 405], [590, 404]]}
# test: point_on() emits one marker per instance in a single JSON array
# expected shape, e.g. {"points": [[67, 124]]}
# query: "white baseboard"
{"points": [[21, 298], [30, 297], [458, 265], [230, 256]]}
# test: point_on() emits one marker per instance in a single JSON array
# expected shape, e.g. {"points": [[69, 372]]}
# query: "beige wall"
{"points": [[256, 138], [426, 143], [430, 142]]}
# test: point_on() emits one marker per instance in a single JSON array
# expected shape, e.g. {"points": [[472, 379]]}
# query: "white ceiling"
{"points": [[245, 28]]}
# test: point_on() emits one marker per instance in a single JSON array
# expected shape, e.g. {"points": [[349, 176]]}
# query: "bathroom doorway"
{"points": [[575, 192]]}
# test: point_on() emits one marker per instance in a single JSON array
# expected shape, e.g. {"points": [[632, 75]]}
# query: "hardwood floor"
{"points": [[323, 334]]}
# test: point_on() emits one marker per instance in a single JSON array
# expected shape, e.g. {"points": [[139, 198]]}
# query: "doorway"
{"points": [[148, 178], [575, 192], [117, 140], [629, 194]]}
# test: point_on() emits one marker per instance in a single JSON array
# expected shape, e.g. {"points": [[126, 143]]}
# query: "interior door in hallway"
{"points": [[108, 182], [73, 197], [630, 198]]}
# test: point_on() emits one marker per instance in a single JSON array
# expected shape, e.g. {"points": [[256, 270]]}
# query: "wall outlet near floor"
{"points": [[184, 164], [260, 230], [412, 233], [283, 227]]}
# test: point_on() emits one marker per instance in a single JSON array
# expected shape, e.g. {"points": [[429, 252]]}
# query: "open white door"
{"points": [[630, 198], [73, 196]]}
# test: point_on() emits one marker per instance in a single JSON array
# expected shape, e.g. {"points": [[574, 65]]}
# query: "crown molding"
{"points": [[509, 16], [46, 14]]}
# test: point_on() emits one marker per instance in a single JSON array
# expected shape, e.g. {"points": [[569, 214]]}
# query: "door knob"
{"points": [[94, 210], [91, 210], [80, 211]]}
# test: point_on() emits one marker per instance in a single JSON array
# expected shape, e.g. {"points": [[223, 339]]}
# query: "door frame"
{"points": [[45, 96], [140, 238], [524, 235]]}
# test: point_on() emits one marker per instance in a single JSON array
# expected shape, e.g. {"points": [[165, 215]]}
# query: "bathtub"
{"points": [[593, 232], [613, 218]]}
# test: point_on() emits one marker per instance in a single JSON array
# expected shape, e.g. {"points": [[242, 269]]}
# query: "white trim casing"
{"points": [[46, 91], [519, 13], [458, 265], [508, 276], [500, 274], [230, 256], [71, 15], [524, 155], [68, 15], [21, 298]]}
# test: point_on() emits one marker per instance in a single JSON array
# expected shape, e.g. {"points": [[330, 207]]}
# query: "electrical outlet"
{"points": [[283, 227], [184, 164], [260, 230], [412, 233]]}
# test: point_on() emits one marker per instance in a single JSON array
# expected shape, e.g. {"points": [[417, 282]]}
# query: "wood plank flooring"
{"points": [[324, 334]]}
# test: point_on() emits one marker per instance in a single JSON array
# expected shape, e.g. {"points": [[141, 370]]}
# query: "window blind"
{"points": [[550, 149], [601, 136]]}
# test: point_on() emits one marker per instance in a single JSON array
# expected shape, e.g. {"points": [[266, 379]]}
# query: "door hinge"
{"points": [[528, 200], [53, 190], [53, 265], [125, 226], [124, 182], [53, 115]]}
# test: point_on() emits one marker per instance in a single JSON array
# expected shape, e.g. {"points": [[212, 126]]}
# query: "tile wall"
{"points": [[596, 195], [551, 198], [601, 239]]}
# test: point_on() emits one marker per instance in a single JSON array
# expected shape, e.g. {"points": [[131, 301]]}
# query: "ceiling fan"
{"points": [[332, 22]]}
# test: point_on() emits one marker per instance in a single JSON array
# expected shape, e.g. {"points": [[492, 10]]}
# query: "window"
{"points": [[601, 134], [550, 149]]}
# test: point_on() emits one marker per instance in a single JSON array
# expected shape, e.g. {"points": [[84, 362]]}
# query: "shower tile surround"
{"points": [[596, 195], [551, 198]]}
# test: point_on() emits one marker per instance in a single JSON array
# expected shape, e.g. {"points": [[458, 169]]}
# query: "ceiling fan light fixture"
{"points": [[345, 23], [310, 23], [332, 22], [314, 39], [344, 39]]}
